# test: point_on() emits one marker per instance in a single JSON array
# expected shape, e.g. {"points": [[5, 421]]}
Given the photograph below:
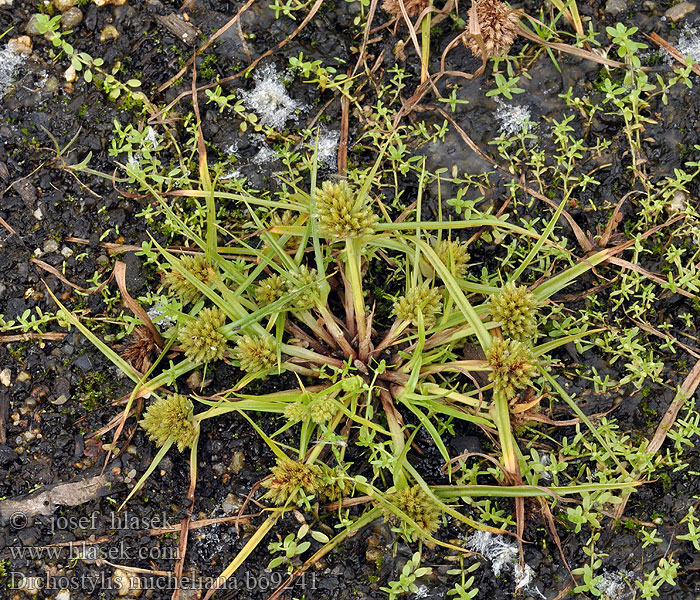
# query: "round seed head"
{"points": [[296, 411], [413, 7], [176, 281], [417, 505], [512, 366], [516, 309], [454, 256], [307, 298], [341, 214], [270, 289], [200, 338], [499, 26], [420, 298], [282, 219], [170, 416], [256, 353], [288, 477], [322, 409]]}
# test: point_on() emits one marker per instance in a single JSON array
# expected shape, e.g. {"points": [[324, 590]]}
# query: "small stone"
{"points": [[50, 246], [30, 28], [194, 380], [680, 10], [66, 252], [109, 33], [21, 44], [70, 75], [30, 585], [231, 504], [126, 583], [615, 7], [63, 594], [678, 202], [237, 462], [6, 377], [51, 85], [64, 5], [38, 215], [649, 6], [23, 376], [71, 18]]}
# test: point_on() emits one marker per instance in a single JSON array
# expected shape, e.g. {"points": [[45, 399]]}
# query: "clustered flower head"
{"points": [[342, 214], [306, 299], [512, 366], [322, 409], [413, 7], [256, 353], [285, 219], [270, 289], [454, 256], [195, 265], [288, 477], [499, 26], [170, 416], [516, 309], [420, 298], [200, 337], [417, 505]]}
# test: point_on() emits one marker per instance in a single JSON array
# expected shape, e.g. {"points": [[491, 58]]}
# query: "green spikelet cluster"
{"points": [[170, 416], [196, 266], [270, 289], [200, 337], [306, 299], [322, 409], [419, 298], [288, 477], [296, 411], [285, 219], [516, 309], [417, 505], [256, 353], [454, 256], [512, 366], [342, 215]]}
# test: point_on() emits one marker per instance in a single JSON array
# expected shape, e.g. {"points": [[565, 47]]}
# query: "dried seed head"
{"points": [[196, 266], [420, 298], [417, 505], [288, 478], [307, 299], [499, 26], [139, 349], [322, 409], [413, 7], [270, 289], [200, 338], [342, 214], [256, 353], [454, 256], [516, 309], [170, 416], [512, 366]]}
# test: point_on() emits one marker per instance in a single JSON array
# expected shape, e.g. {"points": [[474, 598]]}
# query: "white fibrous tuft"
{"points": [[269, 99], [689, 43], [514, 119], [10, 59], [328, 149]]}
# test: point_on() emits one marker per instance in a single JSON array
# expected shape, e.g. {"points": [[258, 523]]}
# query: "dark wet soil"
{"points": [[63, 391]]}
